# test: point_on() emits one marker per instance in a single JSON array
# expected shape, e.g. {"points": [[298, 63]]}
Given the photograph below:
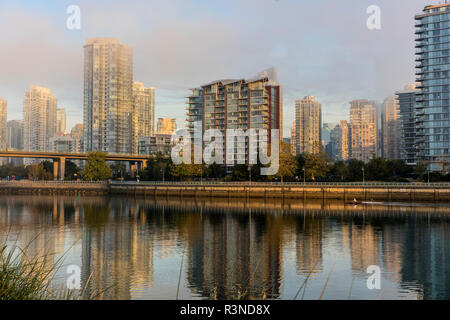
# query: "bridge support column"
{"points": [[62, 168], [133, 169], [55, 169]]}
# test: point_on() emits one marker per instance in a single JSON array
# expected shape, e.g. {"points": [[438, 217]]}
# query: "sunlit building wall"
{"points": [[391, 129], [166, 126], [293, 143], [308, 122], [363, 130], [143, 114], [253, 103], [3, 121], [39, 112], [108, 96], [60, 121]]}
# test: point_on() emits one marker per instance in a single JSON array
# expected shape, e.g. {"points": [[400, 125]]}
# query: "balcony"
{"points": [[420, 44]]}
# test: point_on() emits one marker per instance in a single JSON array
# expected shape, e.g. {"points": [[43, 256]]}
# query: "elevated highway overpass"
{"points": [[59, 159]]}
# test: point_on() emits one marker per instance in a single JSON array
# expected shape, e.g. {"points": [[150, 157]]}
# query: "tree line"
{"points": [[307, 167]]}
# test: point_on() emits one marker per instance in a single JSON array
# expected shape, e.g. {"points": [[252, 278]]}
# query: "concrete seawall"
{"points": [[392, 193], [25, 187], [401, 193]]}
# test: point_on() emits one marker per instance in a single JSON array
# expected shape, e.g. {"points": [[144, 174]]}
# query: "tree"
{"points": [[377, 170], [399, 169], [355, 168], [216, 171], [288, 164], [316, 166], [340, 172], [37, 172], [240, 173], [156, 168], [72, 171], [48, 166], [420, 171], [119, 171], [178, 172], [9, 170], [97, 169], [196, 170]]}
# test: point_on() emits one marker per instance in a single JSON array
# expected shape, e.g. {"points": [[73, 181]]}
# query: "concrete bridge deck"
{"points": [[59, 159]]}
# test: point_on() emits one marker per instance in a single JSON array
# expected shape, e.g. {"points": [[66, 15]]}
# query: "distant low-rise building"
{"points": [[77, 134], [60, 121], [14, 134], [338, 146], [166, 126], [63, 144], [390, 129], [158, 143], [326, 133]]}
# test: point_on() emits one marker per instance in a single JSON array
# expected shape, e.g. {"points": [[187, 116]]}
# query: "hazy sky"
{"points": [[320, 47]]}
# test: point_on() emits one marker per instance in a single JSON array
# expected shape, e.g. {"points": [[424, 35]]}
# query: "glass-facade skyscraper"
{"points": [[432, 75], [407, 103]]}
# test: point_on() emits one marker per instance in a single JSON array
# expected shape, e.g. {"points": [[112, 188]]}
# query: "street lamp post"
{"points": [[250, 173], [364, 178], [304, 176]]}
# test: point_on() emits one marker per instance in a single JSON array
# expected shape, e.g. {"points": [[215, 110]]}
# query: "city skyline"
{"points": [[330, 75]]}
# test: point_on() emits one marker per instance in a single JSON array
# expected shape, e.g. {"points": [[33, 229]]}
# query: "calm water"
{"points": [[237, 249]]}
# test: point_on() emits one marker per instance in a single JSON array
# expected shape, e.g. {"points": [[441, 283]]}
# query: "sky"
{"points": [[319, 47]]}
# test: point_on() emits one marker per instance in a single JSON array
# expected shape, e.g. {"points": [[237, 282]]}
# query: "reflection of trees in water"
{"points": [[95, 215]]}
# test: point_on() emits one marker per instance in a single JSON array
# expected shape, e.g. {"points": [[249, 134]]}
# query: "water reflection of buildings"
{"points": [[236, 257], [117, 251], [363, 242], [309, 244], [426, 258], [232, 249]]}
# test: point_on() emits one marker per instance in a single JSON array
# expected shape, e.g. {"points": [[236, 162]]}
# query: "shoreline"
{"points": [[377, 192]]}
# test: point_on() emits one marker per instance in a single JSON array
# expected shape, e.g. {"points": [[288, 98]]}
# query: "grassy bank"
{"points": [[27, 277]]}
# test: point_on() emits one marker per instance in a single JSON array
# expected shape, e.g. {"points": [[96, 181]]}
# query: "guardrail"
{"points": [[318, 184], [244, 183], [49, 182]]}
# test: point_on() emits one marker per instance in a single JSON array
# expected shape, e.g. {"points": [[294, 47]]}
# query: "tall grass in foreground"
{"points": [[25, 277]]}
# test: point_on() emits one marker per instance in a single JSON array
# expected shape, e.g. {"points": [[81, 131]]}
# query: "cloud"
{"points": [[320, 48]]}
